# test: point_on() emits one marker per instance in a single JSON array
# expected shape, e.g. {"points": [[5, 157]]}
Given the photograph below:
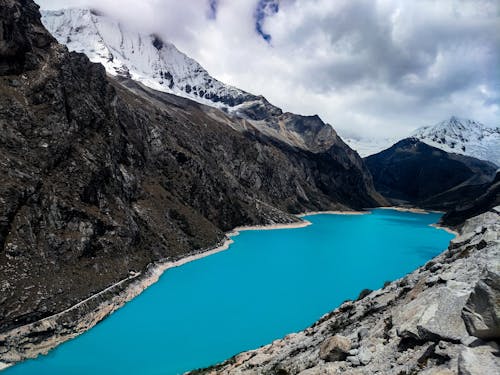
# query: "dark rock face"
{"points": [[157, 42], [473, 201], [100, 179], [413, 172], [22, 36]]}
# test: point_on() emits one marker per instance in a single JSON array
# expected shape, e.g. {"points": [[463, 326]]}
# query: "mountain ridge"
{"points": [[454, 135], [106, 41], [463, 136], [414, 172]]}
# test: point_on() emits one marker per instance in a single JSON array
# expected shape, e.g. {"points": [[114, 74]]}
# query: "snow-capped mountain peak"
{"points": [[158, 64], [463, 136], [145, 58]]}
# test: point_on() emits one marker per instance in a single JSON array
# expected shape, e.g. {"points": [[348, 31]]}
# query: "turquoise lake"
{"points": [[268, 284]]}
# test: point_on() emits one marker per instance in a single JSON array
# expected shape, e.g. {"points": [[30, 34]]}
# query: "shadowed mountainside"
{"points": [[474, 201], [412, 172]]}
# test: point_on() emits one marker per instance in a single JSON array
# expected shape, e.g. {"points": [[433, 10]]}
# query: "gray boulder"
{"points": [[434, 315], [335, 348], [365, 356], [481, 313]]}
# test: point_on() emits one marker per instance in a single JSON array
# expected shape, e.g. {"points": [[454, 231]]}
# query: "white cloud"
{"points": [[380, 68]]}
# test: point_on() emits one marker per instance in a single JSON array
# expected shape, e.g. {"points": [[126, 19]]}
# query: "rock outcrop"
{"points": [[336, 348], [101, 178], [440, 319], [481, 314], [23, 38]]}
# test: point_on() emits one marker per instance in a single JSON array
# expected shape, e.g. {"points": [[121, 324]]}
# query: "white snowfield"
{"points": [[366, 147], [463, 136], [144, 58]]}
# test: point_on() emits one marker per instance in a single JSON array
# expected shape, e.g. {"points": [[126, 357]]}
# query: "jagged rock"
{"points": [[482, 310], [435, 267], [335, 348], [434, 316], [354, 360], [21, 38], [353, 352]]}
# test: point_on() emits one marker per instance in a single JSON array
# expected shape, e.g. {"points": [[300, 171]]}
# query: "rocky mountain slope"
{"points": [[159, 65], [473, 200], [463, 136], [412, 172], [101, 177], [441, 319]]}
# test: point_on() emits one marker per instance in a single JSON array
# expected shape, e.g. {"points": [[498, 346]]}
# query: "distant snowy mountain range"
{"points": [[161, 66], [454, 135]]}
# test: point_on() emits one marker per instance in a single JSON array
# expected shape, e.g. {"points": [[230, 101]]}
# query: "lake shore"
{"points": [[311, 213], [135, 284], [415, 210], [87, 313], [298, 224], [449, 230], [3, 366]]}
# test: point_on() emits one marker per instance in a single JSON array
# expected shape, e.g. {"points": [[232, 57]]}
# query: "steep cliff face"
{"points": [[101, 177], [441, 319], [23, 38]]}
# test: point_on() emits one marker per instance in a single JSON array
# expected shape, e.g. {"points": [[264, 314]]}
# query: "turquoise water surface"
{"points": [[268, 284]]}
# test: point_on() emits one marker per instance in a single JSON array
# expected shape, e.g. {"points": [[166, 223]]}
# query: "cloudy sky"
{"points": [[380, 68]]}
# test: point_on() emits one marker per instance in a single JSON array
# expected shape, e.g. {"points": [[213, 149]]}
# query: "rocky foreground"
{"points": [[444, 318]]}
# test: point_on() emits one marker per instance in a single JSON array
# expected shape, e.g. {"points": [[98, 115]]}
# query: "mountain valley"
{"points": [[119, 154]]}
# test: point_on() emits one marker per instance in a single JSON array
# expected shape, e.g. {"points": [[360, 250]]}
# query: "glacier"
{"points": [[145, 58], [463, 136]]}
